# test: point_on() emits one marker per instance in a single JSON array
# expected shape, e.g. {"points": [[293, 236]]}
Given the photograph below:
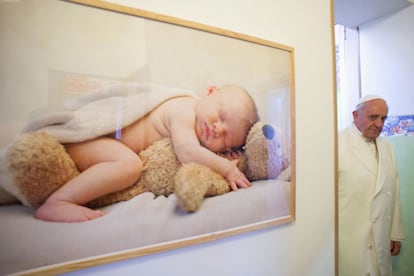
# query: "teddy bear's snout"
{"points": [[268, 131]]}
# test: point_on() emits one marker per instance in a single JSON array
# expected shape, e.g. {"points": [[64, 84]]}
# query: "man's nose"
{"points": [[379, 122]]}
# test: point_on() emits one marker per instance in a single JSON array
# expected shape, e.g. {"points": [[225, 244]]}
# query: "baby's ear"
{"points": [[210, 90]]}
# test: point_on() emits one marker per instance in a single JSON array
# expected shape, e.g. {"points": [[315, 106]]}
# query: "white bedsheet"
{"points": [[27, 243]]}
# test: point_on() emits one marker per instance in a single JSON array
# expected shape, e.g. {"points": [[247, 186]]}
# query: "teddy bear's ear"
{"points": [[268, 131], [262, 157]]}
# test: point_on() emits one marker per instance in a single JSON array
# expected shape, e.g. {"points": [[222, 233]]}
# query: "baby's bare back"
{"points": [[142, 133], [155, 125]]}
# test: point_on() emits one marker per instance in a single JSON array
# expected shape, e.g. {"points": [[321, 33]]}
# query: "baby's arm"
{"points": [[188, 149], [228, 169]]}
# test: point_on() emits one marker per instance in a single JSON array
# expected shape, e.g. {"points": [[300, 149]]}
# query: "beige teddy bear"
{"points": [[36, 164]]}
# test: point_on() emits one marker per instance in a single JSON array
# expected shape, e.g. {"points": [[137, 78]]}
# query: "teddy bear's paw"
{"points": [[191, 186], [285, 174], [39, 165], [189, 199], [218, 185]]}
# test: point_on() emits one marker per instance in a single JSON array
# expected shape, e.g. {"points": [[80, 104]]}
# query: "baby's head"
{"points": [[224, 117]]}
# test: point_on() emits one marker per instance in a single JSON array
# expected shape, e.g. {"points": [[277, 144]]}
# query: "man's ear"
{"points": [[355, 114]]}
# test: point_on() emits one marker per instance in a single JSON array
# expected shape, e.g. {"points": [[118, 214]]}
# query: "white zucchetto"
{"points": [[368, 98]]}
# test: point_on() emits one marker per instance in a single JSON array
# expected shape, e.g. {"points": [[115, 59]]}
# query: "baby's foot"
{"points": [[62, 211]]}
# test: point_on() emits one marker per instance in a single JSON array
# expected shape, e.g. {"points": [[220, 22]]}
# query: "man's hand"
{"points": [[395, 248]]}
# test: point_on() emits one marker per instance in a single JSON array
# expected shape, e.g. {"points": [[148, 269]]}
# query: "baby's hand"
{"points": [[236, 178], [232, 155]]}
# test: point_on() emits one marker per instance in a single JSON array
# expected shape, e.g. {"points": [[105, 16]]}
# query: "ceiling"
{"points": [[353, 13]]}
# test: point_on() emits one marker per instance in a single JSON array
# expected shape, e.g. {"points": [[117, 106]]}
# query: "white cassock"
{"points": [[369, 210]]}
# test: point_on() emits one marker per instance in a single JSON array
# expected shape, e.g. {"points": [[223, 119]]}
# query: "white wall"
{"points": [[348, 74], [387, 60], [305, 247]]}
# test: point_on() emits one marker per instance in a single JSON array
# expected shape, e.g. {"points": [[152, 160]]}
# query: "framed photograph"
{"points": [[56, 52]]}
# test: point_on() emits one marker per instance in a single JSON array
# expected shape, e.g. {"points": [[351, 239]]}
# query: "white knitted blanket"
{"points": [[102, 112]]}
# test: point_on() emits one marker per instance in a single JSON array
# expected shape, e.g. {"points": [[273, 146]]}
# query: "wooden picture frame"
{"points": [[86, 43]]}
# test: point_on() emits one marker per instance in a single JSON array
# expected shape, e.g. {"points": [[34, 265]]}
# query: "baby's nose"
{"points": [[218, 129]]}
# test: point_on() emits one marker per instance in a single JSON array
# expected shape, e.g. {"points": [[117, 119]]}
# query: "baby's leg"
{"points": [[106, 165]]}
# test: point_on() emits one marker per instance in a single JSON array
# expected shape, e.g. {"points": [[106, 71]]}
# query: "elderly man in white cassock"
{"points": [[369, 211]]}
